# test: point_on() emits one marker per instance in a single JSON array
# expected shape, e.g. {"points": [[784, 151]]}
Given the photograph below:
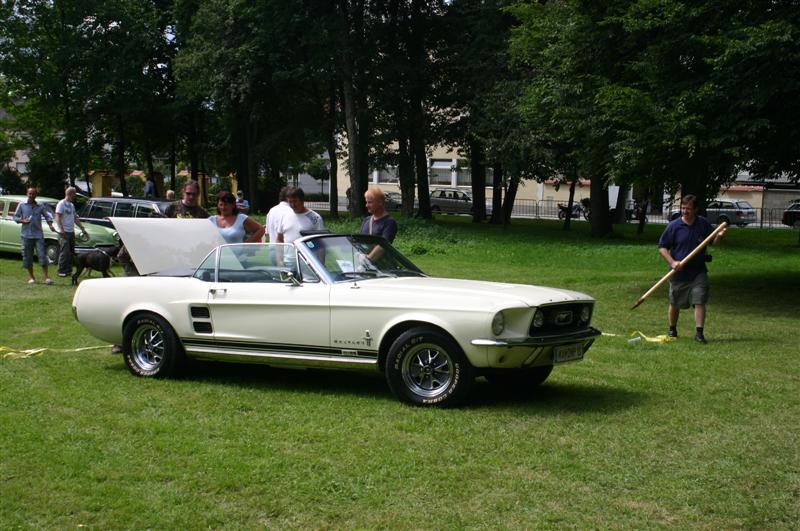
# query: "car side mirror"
{"points": [[288, 276]]}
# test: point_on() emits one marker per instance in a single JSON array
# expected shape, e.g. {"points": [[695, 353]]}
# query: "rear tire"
{"points": [[426, 368], [151, 347]]}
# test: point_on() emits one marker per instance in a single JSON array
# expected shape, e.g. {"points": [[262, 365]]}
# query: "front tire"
{"points": [[151, 347], [426, 368]]}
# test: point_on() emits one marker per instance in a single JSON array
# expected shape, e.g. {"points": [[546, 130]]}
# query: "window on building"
{"points": [[464, 175], [441, 172], [388, 175]]}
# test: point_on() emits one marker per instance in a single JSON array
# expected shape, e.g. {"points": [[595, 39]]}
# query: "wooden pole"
{"points": [[691, 255]]}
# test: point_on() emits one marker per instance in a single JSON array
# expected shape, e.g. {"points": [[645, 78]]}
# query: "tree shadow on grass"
{"points": [[764, 294], [550, 398], [553, 398]]}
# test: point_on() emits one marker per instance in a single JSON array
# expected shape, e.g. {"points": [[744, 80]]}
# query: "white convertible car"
{"points": [[326, 301]]}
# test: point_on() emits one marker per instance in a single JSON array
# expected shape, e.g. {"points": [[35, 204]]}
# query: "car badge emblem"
{"points": [[367, 338], [563, 318]]}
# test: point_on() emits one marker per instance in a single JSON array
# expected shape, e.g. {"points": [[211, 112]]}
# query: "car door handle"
{"points": [[214, 291]]}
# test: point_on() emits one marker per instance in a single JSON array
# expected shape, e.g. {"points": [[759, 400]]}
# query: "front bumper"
{"points": [[562, 339], [514, 353]]}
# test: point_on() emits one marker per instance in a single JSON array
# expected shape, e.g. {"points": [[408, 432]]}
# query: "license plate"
{"points": [[568, 353]]}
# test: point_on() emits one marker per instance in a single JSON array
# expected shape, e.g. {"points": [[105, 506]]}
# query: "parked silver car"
{"points": [[393, 201], [731, 211], [451, 201]]}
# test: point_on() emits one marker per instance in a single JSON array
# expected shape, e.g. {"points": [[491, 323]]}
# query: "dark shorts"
{"points": [[685, 293], [28, 245]]}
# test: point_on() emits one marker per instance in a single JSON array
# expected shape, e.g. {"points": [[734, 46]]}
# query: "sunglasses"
{"points": [[190, 193]]}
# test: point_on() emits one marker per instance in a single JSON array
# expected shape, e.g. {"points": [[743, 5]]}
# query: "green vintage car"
{"points": [[95, 236]]}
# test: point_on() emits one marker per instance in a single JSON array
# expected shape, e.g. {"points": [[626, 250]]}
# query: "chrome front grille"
{"points": [[562, 319]]}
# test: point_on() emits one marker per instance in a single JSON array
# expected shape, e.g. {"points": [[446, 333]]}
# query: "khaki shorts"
{"points": [[685, 293]]}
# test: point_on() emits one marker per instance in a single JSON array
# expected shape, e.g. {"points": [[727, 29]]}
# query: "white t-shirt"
{"points": [[274, 217], [67, 211], [292, 224]]}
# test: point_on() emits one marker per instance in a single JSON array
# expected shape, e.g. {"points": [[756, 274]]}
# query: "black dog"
{"points": [[97, 260]]}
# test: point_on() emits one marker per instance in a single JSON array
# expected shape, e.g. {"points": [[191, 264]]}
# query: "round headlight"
{"points": [[498, 323], [82, 236], [586, 312], [538, 319], [115, 234]]}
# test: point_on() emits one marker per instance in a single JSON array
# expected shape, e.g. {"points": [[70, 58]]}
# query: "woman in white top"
{"points": [[234, 226]]}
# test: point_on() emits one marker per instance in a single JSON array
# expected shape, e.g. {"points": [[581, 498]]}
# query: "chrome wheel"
{"points": [[427, 370], [148, 347], [151, 347]]}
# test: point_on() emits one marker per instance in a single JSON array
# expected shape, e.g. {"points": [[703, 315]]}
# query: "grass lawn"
{"points": [[638, 435]]}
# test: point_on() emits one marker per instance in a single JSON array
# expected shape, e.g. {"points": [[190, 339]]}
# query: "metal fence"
{"points": [[766, 218]]}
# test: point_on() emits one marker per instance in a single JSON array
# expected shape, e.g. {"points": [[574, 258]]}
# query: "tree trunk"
{"points": [[173, 161], [333, 189], [478, 172], [642, 215], [508, 201], [497, 193], [571, 201], [194, 156], [120, 158], [353, 147], [601, 224], [405, 173], [421, 170], [251, 137], [148, 160], [240, 154]]}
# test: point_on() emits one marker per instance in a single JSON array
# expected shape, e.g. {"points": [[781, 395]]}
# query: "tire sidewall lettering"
{"points": [[397, 363], [138, 322]]}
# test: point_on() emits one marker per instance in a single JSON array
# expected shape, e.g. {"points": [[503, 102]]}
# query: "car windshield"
{"points": [[356, 257], [744, 204]]}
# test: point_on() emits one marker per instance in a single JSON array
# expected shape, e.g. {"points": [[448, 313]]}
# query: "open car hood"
{"points": [[158, 244]]}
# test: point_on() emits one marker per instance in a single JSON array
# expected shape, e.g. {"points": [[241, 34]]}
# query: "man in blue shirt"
{"points": [[29, 215], [689, 285]]}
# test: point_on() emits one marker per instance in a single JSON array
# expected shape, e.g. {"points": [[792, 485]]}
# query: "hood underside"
{"points": [[158, 244]]}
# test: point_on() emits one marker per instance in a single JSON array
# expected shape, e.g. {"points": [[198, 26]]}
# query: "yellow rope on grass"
{"points": [[663, 338], [8, 353]]}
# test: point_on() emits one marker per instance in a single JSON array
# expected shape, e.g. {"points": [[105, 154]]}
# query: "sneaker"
{"points": [[62, 274], [672, 333], [700, 338], [48, 281], [31, 281], [116, 349]]}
